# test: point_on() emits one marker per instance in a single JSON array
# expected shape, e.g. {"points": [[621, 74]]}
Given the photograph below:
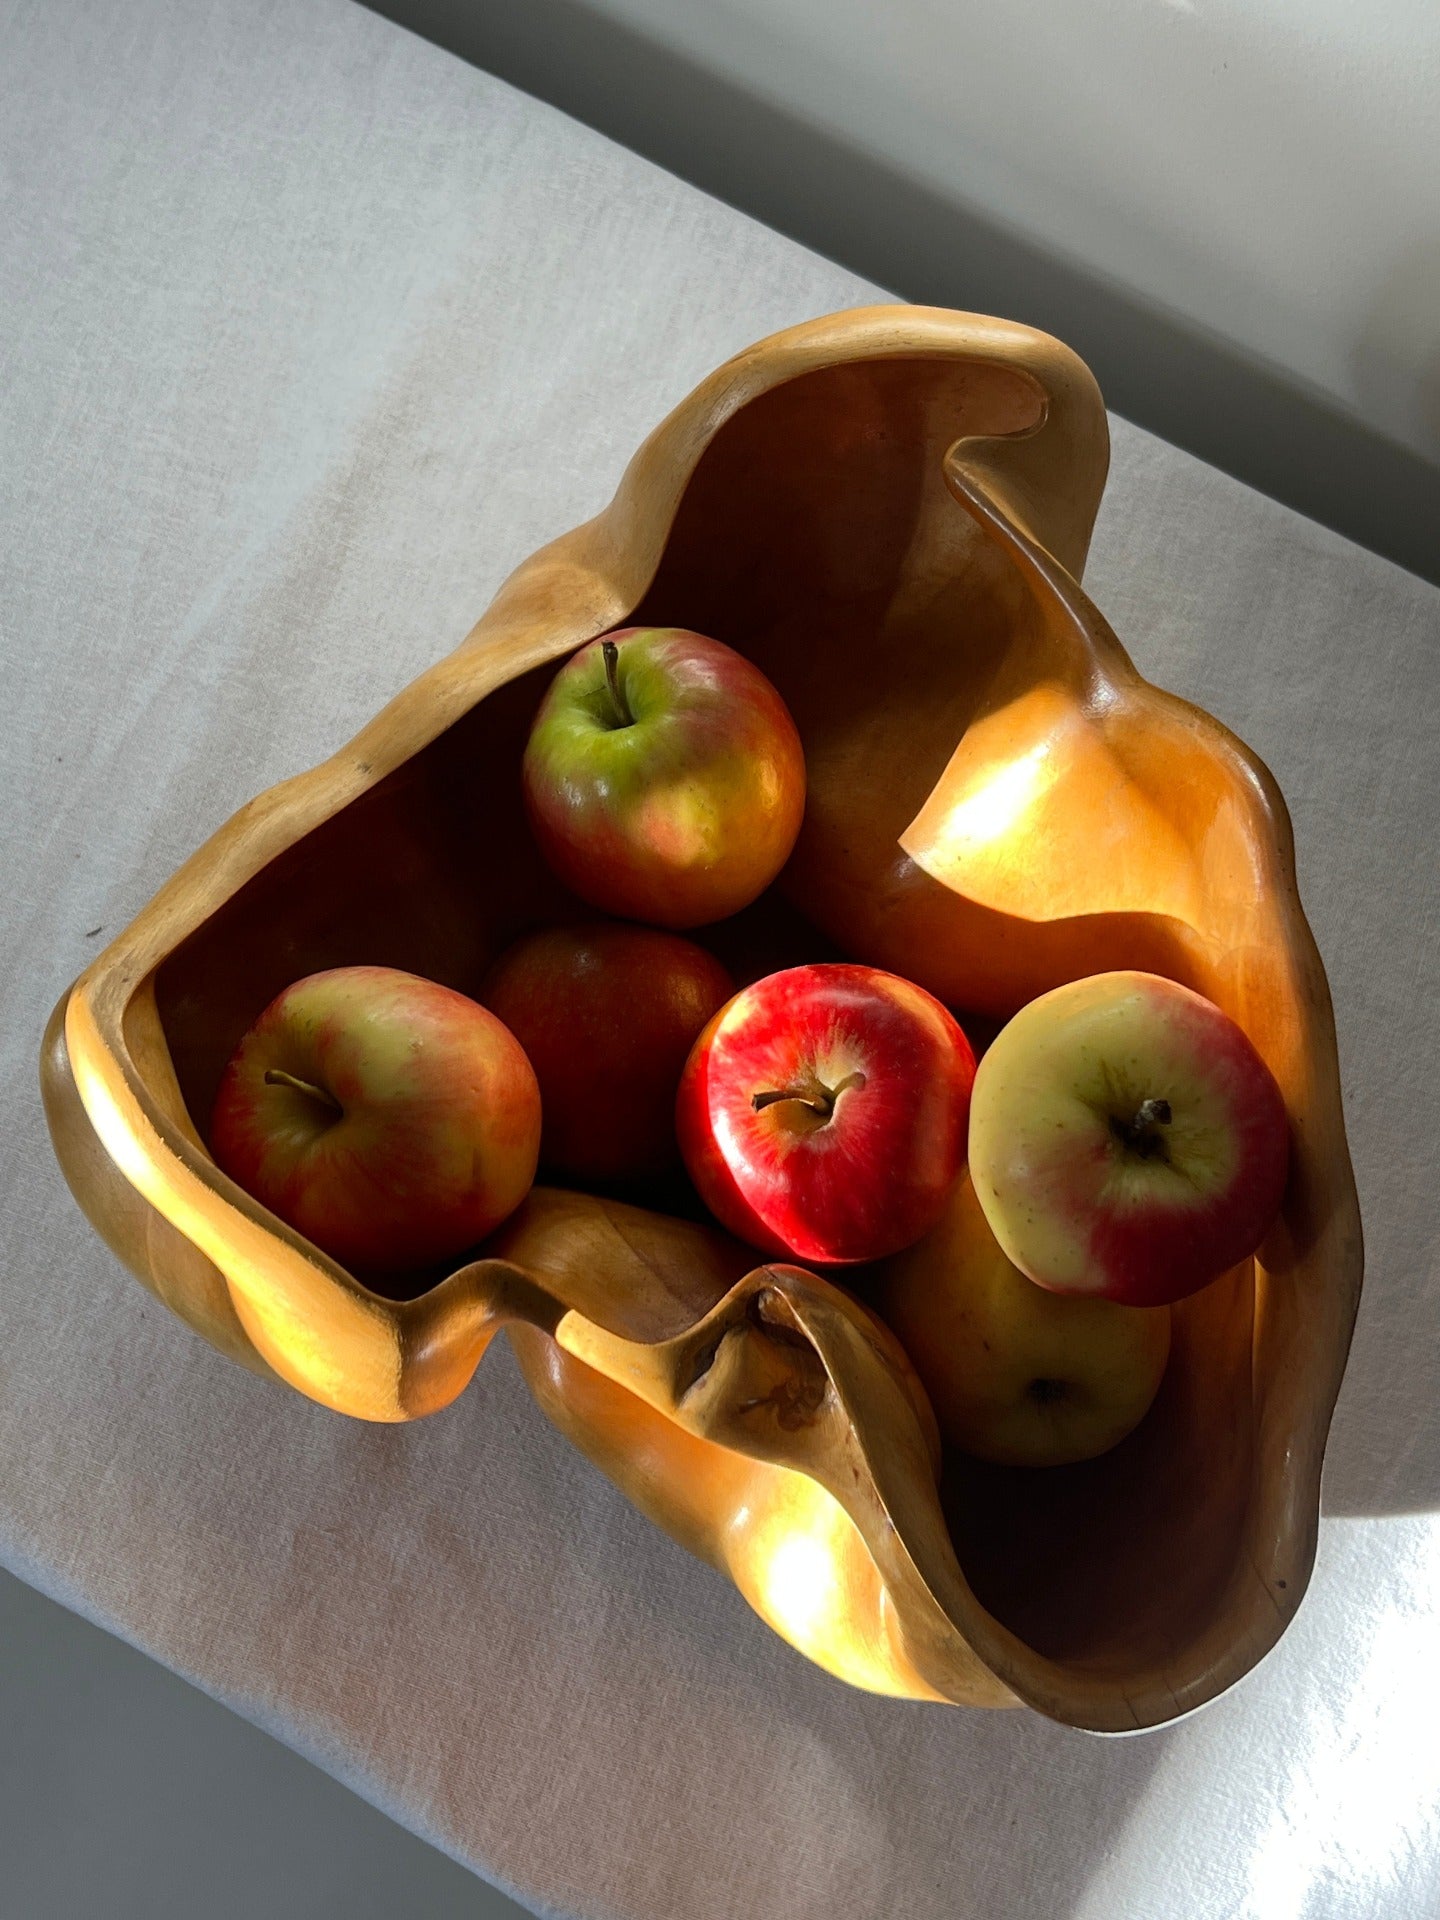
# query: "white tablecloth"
{"points": [[308, 334]]}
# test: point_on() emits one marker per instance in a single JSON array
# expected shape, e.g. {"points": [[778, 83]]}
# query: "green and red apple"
{"points": [[607, 1015], [391, 1121], [1016, 1374], [664, 779], [822, 1113], [1126, 1140]]}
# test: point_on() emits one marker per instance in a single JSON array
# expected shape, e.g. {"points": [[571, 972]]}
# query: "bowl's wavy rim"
{"points": [[577, 587]]}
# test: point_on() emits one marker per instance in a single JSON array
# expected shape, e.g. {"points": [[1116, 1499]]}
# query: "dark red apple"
{"points": [[607, 1015], [822, 1113], [664, 778], [388, 1119]]}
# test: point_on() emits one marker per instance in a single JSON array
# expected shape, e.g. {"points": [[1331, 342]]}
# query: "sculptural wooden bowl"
{"points": [[888, 510]]}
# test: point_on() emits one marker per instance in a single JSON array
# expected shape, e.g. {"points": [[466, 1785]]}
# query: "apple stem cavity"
{"points": [[1139, 1135], [817, 1097], [610, 653], [1046, 1392], [277, 1077]]}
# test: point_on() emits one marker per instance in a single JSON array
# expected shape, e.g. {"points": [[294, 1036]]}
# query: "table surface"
{"points": [[309, 335]]}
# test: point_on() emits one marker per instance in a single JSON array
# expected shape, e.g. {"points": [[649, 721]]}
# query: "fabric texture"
{"points": [[308, 335]]}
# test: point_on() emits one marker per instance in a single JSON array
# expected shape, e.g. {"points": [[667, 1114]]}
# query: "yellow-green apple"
{"points": [[664, 778], [1127, 1140], [1016, 1374], [386, 1118], [822, 1112], [607, 1014]]}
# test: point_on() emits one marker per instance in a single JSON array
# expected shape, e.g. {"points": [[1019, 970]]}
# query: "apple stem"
{"points": [[819, 1098], [610, 654], [1138, 1133], [277, 1077]]}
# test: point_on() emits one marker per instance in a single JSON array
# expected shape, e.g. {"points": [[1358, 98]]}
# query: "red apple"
{"points": [[607, 1015], [388, 1119], [822, 1112], [664, 778], [1126, 1140]]}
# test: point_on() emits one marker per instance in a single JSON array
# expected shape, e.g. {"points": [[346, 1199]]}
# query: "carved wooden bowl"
{"points": [[888, 511]]}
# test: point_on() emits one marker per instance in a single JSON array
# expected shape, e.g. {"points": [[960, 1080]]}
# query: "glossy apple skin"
{"points": [[1077, 1208], [607, 1014], [871, 1177], [1016, 1374], [438, 1128], [685, 814]]}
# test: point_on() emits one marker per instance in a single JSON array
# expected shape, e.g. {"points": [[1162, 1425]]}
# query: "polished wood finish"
{"points": [[888, 511]]}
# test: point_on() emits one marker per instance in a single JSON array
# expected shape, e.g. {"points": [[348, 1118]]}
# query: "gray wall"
{"points": [[127, 1795], [1195, 241]]}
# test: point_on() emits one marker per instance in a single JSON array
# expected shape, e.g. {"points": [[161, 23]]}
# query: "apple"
{"points": [[607, 1015], [663, 777], [391, 1121], [1126, 1140], [822, 1112], [1016, 1374]]}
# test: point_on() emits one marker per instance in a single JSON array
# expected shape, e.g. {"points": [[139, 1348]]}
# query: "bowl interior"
{"points": [[817, 536]]}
